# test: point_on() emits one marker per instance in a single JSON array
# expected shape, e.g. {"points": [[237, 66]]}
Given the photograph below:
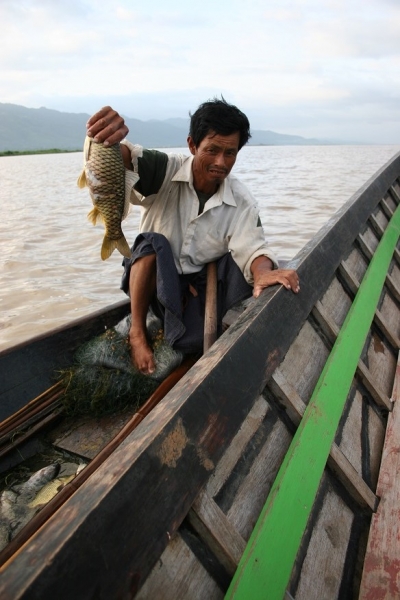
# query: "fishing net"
{"points": [[103, 380]]}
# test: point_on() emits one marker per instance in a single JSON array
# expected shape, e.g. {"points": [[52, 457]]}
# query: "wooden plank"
{"points": [[376, 226], [394, 193], [217, 532], [337, 461], [387, 330], [178, 575], [266, 565], [353, 286], [390, 200], [392, 287], [235, 450], [87, 436], [332, 331], [379, 232], [381, 218], [254, 489], [356, 264], [386, 208], [381, 574], [336, 302], [326, 551], [390, 314], [167, 459], [302, 367]]}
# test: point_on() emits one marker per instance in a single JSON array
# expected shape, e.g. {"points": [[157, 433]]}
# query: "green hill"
{"points": [[24, 128]]}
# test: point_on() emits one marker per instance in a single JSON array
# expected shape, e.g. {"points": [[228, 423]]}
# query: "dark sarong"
{"points": [[181, 311]]}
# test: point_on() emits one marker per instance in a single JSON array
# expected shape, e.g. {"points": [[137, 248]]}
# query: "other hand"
{"points": [[288, 278], [265, 276], [107, 127]]}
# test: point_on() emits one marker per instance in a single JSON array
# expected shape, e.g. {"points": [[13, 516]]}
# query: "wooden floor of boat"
{"points": [[202, 556]]}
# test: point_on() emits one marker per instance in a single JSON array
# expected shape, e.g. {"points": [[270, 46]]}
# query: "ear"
{"points": [[191, 144]]}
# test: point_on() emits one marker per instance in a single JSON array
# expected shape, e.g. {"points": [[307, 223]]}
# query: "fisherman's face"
{"points": [[213, 160]]}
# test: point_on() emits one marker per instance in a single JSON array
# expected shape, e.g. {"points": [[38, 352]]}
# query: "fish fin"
{"points": [[109, 246], [94, 215], [82, 181], [123, 247]]}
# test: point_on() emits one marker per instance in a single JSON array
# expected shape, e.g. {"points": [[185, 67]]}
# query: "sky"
{"points": [[326, 69]]}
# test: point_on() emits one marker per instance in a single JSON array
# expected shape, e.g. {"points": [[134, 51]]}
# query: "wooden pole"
{"points": [[210, 316]]}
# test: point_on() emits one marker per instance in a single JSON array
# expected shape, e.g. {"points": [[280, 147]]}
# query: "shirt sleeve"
{"points": [[248, 242], [149, 169]]}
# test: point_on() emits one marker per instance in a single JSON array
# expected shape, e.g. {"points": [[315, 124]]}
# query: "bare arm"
{"points": [[265, 275], [107, 126]]}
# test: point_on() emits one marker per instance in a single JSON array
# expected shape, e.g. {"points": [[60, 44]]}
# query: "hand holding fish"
{"points": [[107, 127]]}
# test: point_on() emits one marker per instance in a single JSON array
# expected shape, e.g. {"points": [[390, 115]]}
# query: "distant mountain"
{"points": [[24, 128]]}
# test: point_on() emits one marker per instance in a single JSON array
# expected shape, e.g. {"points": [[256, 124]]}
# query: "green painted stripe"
{"points": [[266, 565]]}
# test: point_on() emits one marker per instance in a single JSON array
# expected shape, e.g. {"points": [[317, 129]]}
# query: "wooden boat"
{"points": [[270, 470]]}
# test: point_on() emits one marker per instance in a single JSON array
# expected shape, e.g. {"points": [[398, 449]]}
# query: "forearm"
{"points": [[260, 265]]}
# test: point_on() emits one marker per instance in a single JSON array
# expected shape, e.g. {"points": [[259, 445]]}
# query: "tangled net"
{"points": [[104, 381]]}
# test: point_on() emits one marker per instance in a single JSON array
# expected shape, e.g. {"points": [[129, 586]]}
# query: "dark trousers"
{"points": [[181, 311]]}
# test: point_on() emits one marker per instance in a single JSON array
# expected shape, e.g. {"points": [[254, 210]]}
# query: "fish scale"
{"points": [[104, 175]]}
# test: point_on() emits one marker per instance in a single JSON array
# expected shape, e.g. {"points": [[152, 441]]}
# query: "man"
{"points": [[194, 212]]}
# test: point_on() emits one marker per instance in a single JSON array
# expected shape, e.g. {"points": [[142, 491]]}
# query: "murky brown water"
{"points": [[50, 268]]}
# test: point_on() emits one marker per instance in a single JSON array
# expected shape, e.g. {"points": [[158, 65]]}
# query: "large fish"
{"points": [[104, 175]]}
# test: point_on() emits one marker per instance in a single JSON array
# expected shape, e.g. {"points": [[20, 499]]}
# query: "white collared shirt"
{"points": [[227, 224]]}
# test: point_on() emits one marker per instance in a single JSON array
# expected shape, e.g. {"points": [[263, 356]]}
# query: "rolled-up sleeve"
{"points": [[247, 242]]}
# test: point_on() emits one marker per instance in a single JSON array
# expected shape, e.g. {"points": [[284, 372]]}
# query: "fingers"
{"points": [[291, 281], [107, 126], [286, 277]]}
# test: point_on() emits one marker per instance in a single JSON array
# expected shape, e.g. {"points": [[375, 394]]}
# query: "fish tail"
{"points": [[94, 215], [109, 246], [82, 181], [123, 247]]}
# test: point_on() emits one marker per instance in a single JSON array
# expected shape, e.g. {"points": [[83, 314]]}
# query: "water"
{"points": [[51, 271]]}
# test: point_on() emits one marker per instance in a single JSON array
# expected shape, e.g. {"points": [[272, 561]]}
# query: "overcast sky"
{"points": [[318, 68]]}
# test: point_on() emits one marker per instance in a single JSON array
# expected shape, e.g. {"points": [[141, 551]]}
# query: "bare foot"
{"points": [[141, 353]]}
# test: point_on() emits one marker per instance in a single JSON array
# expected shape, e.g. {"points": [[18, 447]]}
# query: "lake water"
{"points": [[51, 271]]}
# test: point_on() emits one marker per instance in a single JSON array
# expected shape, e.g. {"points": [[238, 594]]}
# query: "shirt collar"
{"points": [[223, 194]]}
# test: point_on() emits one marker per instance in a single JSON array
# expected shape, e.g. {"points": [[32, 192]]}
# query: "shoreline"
{"points": [[47, 151]]}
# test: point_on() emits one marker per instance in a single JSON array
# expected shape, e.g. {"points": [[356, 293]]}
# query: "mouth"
{"points": [[218, 172]]}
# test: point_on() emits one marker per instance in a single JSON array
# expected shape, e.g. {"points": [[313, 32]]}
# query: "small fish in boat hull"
{"points": [[104, 175], [21, 502], [52, 488], [14, 508], [36, 481]]}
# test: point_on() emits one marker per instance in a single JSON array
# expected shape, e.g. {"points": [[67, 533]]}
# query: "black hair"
{"points": [[219, 116]]}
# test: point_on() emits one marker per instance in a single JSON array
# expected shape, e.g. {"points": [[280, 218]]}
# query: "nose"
{"points": [[220, 160]]}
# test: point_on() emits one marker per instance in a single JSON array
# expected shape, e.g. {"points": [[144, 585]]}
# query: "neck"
{"points": [[206, 190]]}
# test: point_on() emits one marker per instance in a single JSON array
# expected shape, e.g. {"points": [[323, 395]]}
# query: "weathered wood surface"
{"points": [[327, 546], [113, 531], [381, 574]]}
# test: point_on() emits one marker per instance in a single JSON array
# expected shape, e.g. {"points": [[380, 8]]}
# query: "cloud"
{"points": [[305, 58]]}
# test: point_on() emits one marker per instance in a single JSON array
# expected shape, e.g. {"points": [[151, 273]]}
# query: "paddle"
{"points": [[210, 316]]}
